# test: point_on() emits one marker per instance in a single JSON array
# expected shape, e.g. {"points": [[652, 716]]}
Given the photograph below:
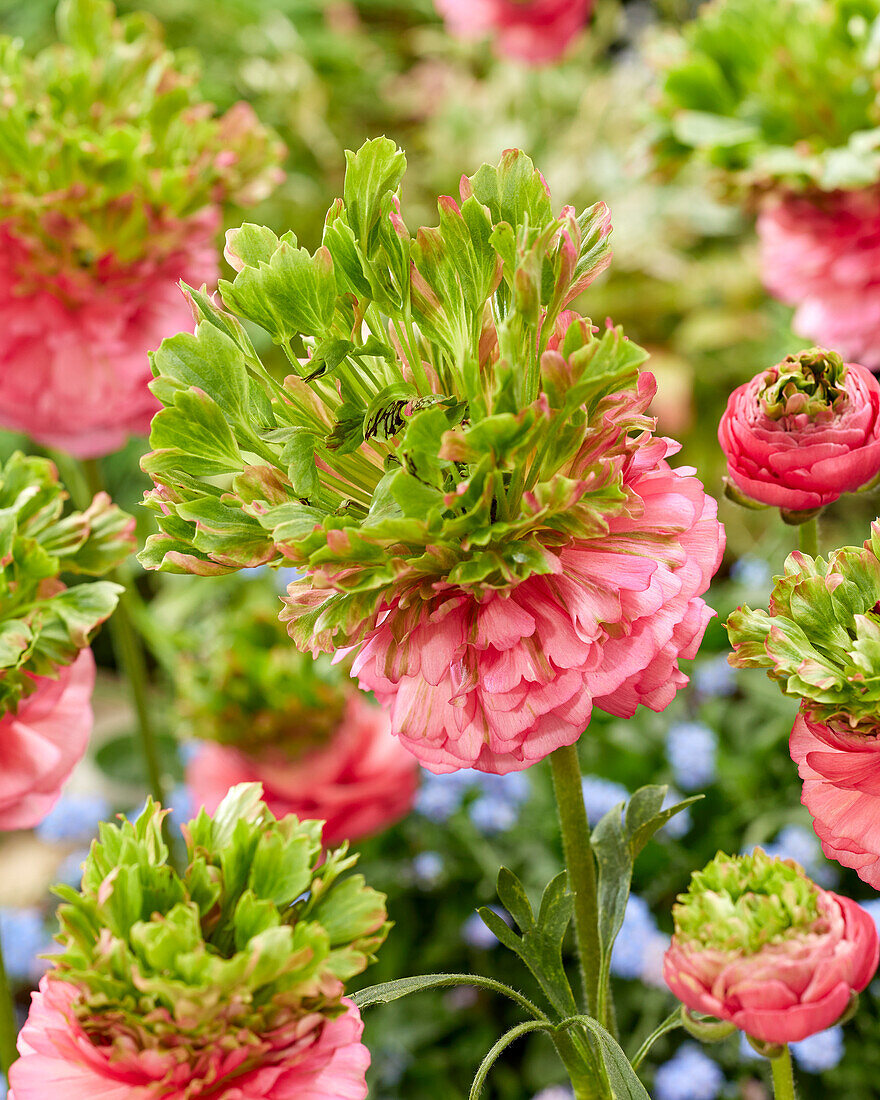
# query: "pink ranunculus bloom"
{"points": [[58, 1058], [785, 990], [798, 437], [497, 680], [536, 31], [841, 790], [820, 252], [42, 742], [362, 781], [74, 340]]}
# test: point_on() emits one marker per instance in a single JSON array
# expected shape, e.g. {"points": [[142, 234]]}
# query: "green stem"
{"points": [[783, 1076], [8, 1028], [808, 537], [131, 659], [580, 865]]}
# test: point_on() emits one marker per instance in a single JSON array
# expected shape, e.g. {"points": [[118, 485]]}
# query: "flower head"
{"points": [[483, 514], [760, 945], [231, 974], [535, 31], [113, 173], [803, 432]]}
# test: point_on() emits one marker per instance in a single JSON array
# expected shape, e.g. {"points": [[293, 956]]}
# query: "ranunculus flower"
{"points": [[758, 944], [536, 31], [496, 681], [42, 741], [329, 1063], [820, 251], [840, 771], [805, 431], [191, 985], [74, 343], [362, 780]]}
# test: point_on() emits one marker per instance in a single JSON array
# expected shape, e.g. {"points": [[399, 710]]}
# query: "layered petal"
{"points": [[535, 31]]}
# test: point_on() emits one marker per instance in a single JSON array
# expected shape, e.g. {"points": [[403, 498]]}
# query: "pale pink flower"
{"points": [[536, 31], [820, 252], [42, 742], [841, 790], [58, 1058], [362, 781], [74, 339], [786, 990], [496, 680]]}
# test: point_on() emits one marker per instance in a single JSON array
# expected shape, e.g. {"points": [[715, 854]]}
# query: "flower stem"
{"points": [[8, 1029], [783, 1076], [808, 537], [580, 865], [131, 659]]}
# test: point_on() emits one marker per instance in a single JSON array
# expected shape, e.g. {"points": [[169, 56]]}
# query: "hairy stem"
{"points": [[8, 1029], [783, 1076], [808, 537]]}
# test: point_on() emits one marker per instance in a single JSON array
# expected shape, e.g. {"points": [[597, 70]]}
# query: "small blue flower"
{"points": [[600, 795], [476, 934], [715, 678], [819, 1052], [513, 787], [872, 908], [679, 825], [23, 936], [691, 749], [440, 795], [800, 844], [181, 804], [492, 815], [689, 1075], [751, 572], [555, 1092], [628, 956], [70, 870], [427, 868], [74, 817]]}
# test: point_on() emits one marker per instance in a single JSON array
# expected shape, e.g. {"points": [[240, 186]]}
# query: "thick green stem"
{"points": [[580, 865], [808, 537], [8, 1029], [582, 1066], [783, 1076], [132, 660]]}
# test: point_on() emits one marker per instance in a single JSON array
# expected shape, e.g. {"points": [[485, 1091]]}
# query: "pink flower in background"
{"points": [[498, 680], [771, 952], [327, 1063], [362, 781], [821, 253], [799, 435], [42, 741], [840, 772], [74, 339], [536, 31]]}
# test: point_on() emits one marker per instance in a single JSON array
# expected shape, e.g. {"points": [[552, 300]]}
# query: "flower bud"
{"points": [[758, 944]]}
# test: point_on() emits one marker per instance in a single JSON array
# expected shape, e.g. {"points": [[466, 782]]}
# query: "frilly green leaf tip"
{"points": [[443, 424], [782, 93], [242, 683], [44, 623], [259, 930], [820, 638], [105, 133], [744, 903]]}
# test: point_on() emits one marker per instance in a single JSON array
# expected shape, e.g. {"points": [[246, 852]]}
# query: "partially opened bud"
{"points": [[760, 945], [800, 434]]}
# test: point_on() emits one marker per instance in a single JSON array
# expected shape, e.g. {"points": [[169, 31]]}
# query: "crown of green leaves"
{"points": [[820, 639], [43, 622], [105, 132], [445, 419], [745, 903], [776, 94], [257, 929]]}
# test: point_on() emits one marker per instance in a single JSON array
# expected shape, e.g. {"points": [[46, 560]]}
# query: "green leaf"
{"points": [[514, 192], [196, 429], [622, 1078], [516, 1032], [403, 987], [374, 171]]}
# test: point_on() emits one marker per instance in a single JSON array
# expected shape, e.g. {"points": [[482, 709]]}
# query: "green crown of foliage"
{"points": [[777, 93], [430, 434], [744, 903], [43, 623], [820, 639], [259, 927], [810, 382], [106, 130], [247, 686]]}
